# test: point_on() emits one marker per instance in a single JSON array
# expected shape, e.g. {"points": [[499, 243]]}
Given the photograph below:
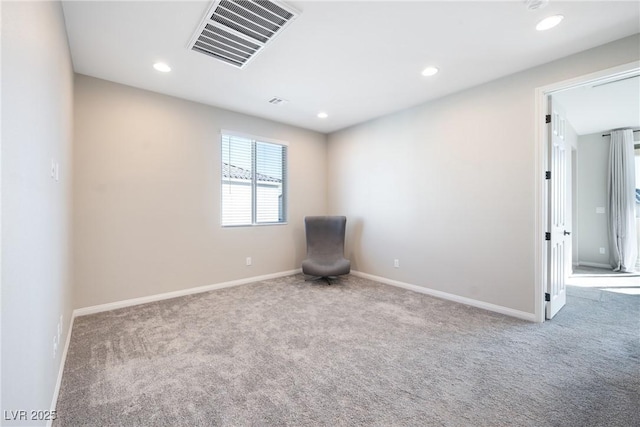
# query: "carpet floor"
{"points": [[356, 352]]}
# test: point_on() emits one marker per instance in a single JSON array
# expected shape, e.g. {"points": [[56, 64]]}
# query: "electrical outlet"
{"points": [[396, 263], [249, 261], [602, 250]]}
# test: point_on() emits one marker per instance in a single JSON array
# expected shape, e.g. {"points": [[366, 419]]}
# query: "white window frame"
{"points": [[285, 183]]}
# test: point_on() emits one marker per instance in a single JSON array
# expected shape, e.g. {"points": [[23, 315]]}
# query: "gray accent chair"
{"points": [[325, 247]]}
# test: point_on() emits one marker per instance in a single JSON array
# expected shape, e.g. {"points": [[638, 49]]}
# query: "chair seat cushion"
{"points": [[326, 267]]}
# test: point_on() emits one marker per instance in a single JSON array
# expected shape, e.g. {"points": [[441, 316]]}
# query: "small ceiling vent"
{"points": [[278, 101], [234, 31], [535, 4]]}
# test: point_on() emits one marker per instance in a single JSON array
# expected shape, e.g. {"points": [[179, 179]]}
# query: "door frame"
{"points": [[541, 165]]}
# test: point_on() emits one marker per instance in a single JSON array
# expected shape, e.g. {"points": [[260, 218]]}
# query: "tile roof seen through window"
{"points": [[235, 172]]}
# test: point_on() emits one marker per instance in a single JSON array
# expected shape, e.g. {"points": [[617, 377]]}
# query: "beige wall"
{"points": [[593, 153], [147, 195], [37, 85], [448, 187]]}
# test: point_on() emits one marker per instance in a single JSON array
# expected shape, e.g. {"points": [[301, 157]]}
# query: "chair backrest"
{"points": [[325, 235]]}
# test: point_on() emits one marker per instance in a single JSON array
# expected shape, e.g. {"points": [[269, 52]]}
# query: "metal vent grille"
{"points": [[234, 31]]}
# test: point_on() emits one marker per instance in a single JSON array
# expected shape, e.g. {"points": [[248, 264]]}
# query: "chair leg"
{"points": [[316, 278]]}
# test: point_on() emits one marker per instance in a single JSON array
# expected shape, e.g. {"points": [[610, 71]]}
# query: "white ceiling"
{"points": [[602, 106], [354, 60]]}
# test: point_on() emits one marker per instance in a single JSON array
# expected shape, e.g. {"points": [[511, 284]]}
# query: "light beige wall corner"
{"points": [[448, 187], [147, 195], [37, 86]]}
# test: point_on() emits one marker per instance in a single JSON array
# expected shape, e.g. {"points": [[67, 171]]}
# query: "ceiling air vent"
{"points": [[278, 101], [234, 31]]}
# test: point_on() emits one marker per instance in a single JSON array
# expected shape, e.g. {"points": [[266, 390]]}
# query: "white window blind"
{"points": [[254, 177]]}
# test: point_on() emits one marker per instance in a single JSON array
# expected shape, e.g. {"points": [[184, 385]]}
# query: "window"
{"points": [[254, 180]]}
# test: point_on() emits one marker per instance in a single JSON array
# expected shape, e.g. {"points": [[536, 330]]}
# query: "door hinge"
{"points": [[547, 118], [547, 236], [547, 175], [547, 296]]}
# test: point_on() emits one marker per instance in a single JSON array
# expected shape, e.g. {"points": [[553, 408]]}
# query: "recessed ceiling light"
{"points": [[162, 67], [429, 71], [549, 22], [322, 115]]}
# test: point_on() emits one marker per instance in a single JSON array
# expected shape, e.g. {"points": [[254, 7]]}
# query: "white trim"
{"points": [[541, 204], [594, 264], [613, 73], [1, 222], [450, 297], [159, 297], [63, 360]]}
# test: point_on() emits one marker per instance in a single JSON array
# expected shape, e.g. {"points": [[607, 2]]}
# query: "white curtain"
{"points": [[623, 244]]}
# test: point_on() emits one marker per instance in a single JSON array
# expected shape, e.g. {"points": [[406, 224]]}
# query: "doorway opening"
{"points": [[557, 232]]}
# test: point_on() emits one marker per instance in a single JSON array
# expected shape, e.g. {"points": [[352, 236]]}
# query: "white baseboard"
{"points": [[594, 264], [451, 297], [159, 297], [63, 360]]}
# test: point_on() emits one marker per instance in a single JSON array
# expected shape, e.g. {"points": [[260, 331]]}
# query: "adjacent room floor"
{"points": [[604, 279]]}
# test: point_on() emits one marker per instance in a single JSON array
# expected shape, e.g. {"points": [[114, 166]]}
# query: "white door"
{"points": [[559, 255]]}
